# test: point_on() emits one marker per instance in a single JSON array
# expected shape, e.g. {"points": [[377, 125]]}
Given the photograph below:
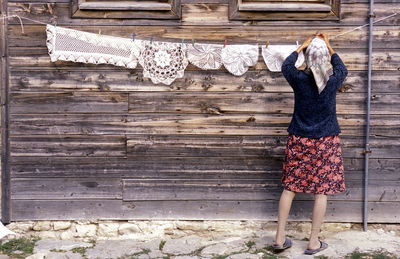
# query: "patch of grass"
{"points": [[79, 250], [250, 243], [220, 257], [166, 257], [135, 255], [82, 250], [58, 250], [145, 251], [379, 254], [321, 257], [19, 248], [162, 243], [268, 256], [269, 248]]}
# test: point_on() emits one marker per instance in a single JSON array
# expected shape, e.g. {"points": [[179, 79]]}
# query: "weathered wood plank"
{"points": [[198, 81], [226, 124], [227, 103], [77, 145], [216, 210], [354, 60], [127, 5], [195, 1], [221, 103], [242, 189], [68, 102], [151, 167], [182, 189], [66, 188], [262, 146], [186, 103], [220, 146], [33, 40], [382, 169], [169, 167], [176, 145]]}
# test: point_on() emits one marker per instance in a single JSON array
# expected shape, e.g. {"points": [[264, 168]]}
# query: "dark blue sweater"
{"points": [[314, 114]]}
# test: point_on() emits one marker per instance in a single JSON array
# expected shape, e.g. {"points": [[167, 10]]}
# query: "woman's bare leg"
{"points": [[285, 203], [317, 219]]}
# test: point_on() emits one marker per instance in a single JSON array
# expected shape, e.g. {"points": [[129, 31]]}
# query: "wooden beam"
{"points": [[125, 5], [284, 7]]}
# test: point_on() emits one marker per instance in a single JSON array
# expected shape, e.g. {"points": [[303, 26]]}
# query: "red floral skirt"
{"points": [[313, 165]]}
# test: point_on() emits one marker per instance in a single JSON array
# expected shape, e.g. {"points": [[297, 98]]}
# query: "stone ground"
{"points": [[220, 245]]}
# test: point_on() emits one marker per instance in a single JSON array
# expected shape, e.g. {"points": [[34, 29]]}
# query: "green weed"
{"points": [[19, 248]]}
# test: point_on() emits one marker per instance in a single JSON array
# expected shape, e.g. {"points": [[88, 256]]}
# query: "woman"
{"points": [[313, 160]]}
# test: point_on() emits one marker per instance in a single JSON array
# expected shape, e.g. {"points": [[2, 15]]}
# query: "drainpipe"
{"points": [[4, 65], [367, 150]]}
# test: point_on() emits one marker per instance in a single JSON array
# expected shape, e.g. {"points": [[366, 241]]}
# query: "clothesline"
{"points": [[162, 61], [134, 35]]}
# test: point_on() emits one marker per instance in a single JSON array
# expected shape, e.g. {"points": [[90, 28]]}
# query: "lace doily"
{"points": [[163, 62], [78, 46], [205, 56], [238, 58], [274, 55]]}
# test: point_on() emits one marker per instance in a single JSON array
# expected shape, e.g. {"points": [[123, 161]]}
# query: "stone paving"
{"points": [[255, 245]]}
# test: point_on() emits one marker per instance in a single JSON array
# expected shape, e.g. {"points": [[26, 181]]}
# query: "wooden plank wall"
{"points": [[93, 141]]}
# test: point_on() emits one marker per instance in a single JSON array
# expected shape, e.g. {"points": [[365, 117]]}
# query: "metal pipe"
{"points": [[4, 70], [368, 119]]}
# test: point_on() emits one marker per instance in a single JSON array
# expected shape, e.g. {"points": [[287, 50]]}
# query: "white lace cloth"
{"points": [[274, 55], [205, 56], [77, 46], [238, 58], [163, 62], [318, 61]]}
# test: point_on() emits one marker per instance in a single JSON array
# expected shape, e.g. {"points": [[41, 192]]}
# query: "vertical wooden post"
{"points": [[5, 171]]}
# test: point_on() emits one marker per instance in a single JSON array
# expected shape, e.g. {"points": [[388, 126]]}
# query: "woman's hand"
{"points": [[304, 45], [325, 38]]}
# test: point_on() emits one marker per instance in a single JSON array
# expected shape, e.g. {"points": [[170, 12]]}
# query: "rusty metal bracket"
{"points": [[367, 150]]}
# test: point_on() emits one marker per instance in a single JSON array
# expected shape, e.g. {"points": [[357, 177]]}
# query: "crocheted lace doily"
{"points": [[238, 58], [205, 56], [274, 55], [78, 46], [163, 62]]}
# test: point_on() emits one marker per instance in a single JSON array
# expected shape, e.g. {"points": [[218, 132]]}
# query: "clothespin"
{"points": [[99, 32], [193, 41], [225, 43], [151, 40], [133, 36], [182, 41], [267, 44], [297, 43]]}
